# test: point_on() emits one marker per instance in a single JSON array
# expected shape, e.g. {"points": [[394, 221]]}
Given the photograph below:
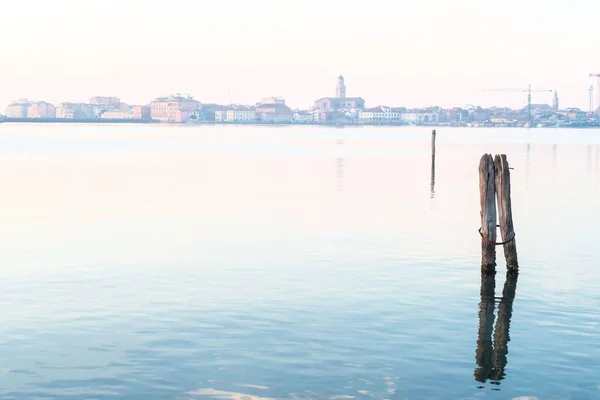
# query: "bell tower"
{"points": [[340, 91]]}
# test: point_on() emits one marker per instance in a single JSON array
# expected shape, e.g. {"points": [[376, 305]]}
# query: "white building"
{"points": [[420, 118], [236, 114], [240, 114], [303, 117], [220, 115], [380, 115]]}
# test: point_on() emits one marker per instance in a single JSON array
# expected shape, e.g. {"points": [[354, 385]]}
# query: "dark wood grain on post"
{"points": [[487, 195], [505, 212]]}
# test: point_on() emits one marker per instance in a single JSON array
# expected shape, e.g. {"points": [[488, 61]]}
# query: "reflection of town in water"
{"points": [[492, 344]]}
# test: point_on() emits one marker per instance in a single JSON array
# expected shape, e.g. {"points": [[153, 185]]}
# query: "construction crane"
{"points": [[528, 90]]}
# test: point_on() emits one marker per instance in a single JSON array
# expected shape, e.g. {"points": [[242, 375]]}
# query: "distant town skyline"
{"points": [[323, 104], [340, 109], [412, 53]]}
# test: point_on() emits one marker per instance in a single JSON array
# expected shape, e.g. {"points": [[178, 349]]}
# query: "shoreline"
{"points": [[329, 124]]}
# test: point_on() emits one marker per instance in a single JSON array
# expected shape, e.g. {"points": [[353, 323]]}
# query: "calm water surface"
{"points": [[160, 262]]}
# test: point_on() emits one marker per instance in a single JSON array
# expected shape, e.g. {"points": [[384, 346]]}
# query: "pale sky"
{"points": [[400, 53]]}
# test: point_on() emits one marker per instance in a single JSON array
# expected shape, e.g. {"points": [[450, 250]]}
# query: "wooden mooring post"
{"points": [[494, 184], [505, 211], [487, 198]]}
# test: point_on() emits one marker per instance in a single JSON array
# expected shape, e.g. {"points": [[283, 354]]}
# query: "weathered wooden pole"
{"points": [[484, 352], [487, 196], [432, 183], [505, 212]]}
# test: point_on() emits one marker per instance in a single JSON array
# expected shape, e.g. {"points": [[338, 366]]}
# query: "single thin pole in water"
{"points": [[505, 212], [432, 183], [433, 144], [487, 197]]}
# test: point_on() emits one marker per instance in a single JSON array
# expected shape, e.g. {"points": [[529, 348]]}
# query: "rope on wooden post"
{"points": [[496, 243]]}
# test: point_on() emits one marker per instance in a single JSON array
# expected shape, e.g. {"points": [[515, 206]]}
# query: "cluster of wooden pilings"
{"points": [[494, 186]]}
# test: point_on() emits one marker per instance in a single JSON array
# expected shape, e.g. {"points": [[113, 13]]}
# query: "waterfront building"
{"points": [[240, 114], [574, 115], [555, 102], [75, 111], [231, 113], [275, 113], [380, 114], [420, 118], [18, 109], [41, 109], [340, 101], [175, 108], [206, 112], [116, 114], [304, 117], [330, 116], [220, 114], [141, 112]]}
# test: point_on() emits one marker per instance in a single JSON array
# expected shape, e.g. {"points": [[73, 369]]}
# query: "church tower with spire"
{"points": [[555, 101], [340, 91]]}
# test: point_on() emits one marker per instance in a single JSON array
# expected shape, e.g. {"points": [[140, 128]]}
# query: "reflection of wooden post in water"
{"points": [[487, 196], [596, 157], [505, 211], [340, 173], [501, 336], [491, 357], [483, 355], [432, 183], [528, 162]]}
